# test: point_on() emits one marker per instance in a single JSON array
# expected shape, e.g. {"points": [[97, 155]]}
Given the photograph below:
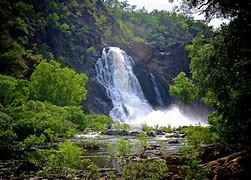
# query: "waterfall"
{"points": [[156, 90], [114, 72]]}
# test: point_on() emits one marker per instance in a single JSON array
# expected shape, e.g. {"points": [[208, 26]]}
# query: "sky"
{"points": [[166, 5]]}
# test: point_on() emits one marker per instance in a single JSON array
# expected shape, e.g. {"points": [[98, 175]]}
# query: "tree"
{"points": [[13, 91], [220, 68], [220, 73], [60, 86], [219, 8], [183, 88]]}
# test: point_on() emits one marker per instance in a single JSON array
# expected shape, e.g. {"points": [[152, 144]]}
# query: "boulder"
{"points": [[173, 141], [151, 134], [234, 166], [159, 132], [124, 133], [111, 132], [134, 133]]}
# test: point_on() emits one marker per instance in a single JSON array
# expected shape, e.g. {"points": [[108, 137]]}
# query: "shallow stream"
{"points": [[103, 148]]}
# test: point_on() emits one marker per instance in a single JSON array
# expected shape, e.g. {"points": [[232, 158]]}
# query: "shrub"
{"points": [[120, 126], [7, 135], [124, 147], [147, 128], [91, 50], [197, 135], [143, 140], [33, 140], [192, 168], [165, 128], [34, 117], [63, 163], [156, 169], [13, 91], [98, 122]]}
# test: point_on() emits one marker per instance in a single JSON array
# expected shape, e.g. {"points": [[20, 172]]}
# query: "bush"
{"points": [[156, 169], [120, 126], [63, 163], [124, 147], [33, 140], [91, 50], [13, 91], [166, 128], [147, 128], [197, 135], [192, 168], [143, 140], [98, 122], [34, 117], [7, 135]]}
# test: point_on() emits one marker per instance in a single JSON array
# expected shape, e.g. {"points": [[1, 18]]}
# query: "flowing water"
{"points": [[105, 156], [156, 90], [115, 73]]}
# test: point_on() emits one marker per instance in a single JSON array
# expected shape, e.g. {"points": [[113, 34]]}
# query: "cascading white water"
{"points": [[114, 72], [156, 89]]}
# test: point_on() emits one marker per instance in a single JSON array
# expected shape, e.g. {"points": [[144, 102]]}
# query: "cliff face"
{"points": [[74, 34], [164, 66], [149, 61]]}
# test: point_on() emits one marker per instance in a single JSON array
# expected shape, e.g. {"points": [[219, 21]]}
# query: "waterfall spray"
{"points": [[114, 72]]}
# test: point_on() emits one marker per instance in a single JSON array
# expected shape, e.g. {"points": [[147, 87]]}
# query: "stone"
{"points": [[134, 133], [173, 141], [159, 132], [172, 135], [124, 133], [182, 135], [174, 159], [151, 134], [234, 166], [111, 132]]}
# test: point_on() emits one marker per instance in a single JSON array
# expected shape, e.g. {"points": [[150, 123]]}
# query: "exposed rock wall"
{"points": [[163, 65]]}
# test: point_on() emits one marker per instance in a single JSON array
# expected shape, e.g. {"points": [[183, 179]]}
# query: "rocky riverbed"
{"points": [[98, 147], [222, 161]]}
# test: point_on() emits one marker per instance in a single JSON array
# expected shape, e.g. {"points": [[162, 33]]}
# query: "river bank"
{"points": [[114, 152]]}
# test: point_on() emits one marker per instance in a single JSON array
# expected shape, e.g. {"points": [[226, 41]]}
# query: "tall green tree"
{"points": [[183, 88], [220, 71], [60, 86], [13, 91]]}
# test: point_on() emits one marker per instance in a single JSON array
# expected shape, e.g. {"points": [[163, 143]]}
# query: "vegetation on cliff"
{"points": [[45, 44]]}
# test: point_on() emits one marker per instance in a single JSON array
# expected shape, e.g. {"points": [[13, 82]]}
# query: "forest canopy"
{"points": [[220, 70]]}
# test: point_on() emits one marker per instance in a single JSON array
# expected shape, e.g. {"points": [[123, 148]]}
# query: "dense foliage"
{"points": [[220, 76], [59, 86], [160, 28], [71, 31], [40, 96], [154, 169], [32, 30], [183, 88], [63, 162]]}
